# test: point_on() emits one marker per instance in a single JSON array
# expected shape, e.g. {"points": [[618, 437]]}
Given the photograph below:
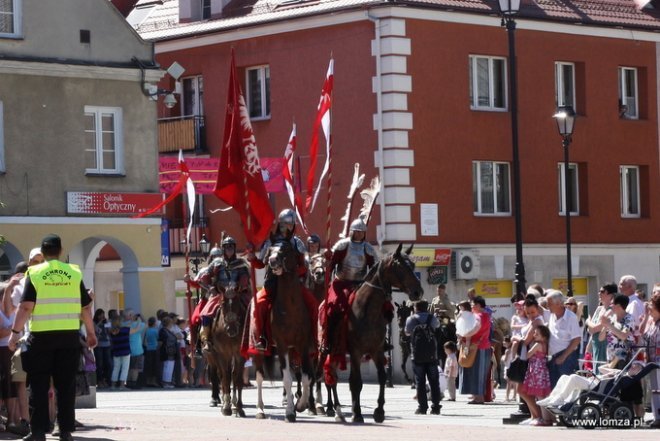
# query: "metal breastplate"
{"points": [[354, 265]]}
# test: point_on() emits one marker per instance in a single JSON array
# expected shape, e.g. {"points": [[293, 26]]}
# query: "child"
{"points": [[451, 369], [151, 354], [466, 321], [519, 319], [511, 386], [537, 378]]}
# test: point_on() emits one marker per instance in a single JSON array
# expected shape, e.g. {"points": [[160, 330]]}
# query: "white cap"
{"points": [[535, 292], [34, 252]]}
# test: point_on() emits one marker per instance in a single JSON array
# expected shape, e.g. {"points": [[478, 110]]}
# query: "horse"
{"points": [[367, 325], [403, 311], [289, 318], [225, 352]]}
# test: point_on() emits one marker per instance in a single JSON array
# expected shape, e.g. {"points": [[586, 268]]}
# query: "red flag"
{"points": [[184, 181], [240, 183], [287, 173], [322, 119]]}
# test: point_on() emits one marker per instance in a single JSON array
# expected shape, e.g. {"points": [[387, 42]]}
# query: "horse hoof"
{"points": [[260, 416], [239, 413], [226, 411], [339, 418], [320, 410], [291, 418], [312, 411], [379, 415], [213, 403], [330, 412], [358, 419]]}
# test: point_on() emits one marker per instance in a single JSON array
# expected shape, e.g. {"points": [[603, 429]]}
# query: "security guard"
{"points": [[56, 300]]}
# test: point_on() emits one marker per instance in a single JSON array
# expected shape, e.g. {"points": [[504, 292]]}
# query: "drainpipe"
{"points": [[379, 109]]}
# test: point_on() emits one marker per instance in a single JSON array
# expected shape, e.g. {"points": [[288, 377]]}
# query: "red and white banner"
{"points": [[91, 202], [204, 173], [322, 121], [291, 189]]}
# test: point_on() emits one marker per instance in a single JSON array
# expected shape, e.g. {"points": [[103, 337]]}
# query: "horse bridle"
{"points": [[386, 287]]}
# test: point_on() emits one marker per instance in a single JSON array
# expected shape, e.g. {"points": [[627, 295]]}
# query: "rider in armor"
{"points": [[313, 246], [226, 276], [350, 259], [286, 225]]}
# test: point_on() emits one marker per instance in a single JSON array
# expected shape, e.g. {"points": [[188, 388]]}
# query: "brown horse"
{"points": [[367, 323], [289, 318], [225, 354]]}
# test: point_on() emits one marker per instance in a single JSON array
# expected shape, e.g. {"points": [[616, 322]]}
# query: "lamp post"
{"points": [[508, 10], [196, 260], [565, 117]]}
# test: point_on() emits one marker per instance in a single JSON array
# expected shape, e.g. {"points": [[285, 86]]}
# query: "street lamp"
{"points": [[508, 10], [565, 117]]}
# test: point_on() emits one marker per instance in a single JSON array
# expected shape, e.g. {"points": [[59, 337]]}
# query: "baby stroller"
{"points": [[601, 405]]}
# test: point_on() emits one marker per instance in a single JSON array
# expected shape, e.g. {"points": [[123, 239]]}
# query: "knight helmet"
{"points": [[286, 221], [358, 225]]}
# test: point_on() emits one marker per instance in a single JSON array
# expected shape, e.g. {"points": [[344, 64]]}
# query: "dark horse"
{"points": [[225, 354], [289, 318], [367, 323], [403, 311]]}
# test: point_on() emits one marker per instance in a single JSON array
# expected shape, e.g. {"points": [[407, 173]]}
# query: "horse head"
{"points": [[400, 272], [281, 258], [317, 268], [403, 311]]}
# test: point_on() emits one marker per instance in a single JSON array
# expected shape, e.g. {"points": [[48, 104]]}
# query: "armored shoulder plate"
{"points": [[341, 244], [370, 250], [299, 244]]}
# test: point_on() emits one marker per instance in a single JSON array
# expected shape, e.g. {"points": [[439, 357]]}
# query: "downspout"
{"points": [[381, 236]]}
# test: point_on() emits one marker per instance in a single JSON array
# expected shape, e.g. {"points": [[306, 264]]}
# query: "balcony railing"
{"points": [[178, 233], [185, 133]]}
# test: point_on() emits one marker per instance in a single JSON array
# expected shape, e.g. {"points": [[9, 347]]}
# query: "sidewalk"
{"points": [[184, 414]]}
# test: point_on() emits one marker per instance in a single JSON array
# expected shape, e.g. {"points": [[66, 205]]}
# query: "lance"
{"points": [[356, 183]]}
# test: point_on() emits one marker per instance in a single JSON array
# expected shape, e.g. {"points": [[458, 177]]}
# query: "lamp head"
{"points": [[169, 100], [509, 7], [565, 117]]}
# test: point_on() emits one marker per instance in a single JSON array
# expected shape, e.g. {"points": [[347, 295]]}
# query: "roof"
{"points": [[158, 20]]}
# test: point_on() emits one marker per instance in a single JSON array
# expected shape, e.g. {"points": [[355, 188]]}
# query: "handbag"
{"points": [[466, 358], [517, 370]]}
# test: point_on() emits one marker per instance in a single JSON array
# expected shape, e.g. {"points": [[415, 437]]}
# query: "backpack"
{"points": [[424, 344]]}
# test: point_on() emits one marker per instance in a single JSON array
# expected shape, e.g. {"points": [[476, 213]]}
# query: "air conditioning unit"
{"points": [[465, 264]]}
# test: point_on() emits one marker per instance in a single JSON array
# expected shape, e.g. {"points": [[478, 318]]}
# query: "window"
{"points": [[491, 188], [258, 91], [629, 191], [206, 9], [103, 140], [2, 141], [193, 96], [487, 83], [628, 103], [573, 189], [10, 18], [565, 84]]}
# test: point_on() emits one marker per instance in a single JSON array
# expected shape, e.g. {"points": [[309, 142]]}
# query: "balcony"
{"points": [[185, 133]]}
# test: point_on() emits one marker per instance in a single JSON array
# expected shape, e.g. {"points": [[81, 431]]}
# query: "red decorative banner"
{"points": [[90, 202], [204, 173]]}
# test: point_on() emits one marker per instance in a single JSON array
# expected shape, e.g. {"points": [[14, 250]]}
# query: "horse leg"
{"points": [[355, 382], [340, 416], [405, 354], [215, 385], [260, 415], [226, 387], [329, 406], [237, 400], [305, 378], [287, 380], [379, 412]]}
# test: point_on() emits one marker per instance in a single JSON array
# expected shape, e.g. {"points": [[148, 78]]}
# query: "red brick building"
{"points": [[422, 98]]}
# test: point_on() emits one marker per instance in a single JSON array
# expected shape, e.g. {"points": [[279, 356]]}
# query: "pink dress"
{"points": [[537, 378]]}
